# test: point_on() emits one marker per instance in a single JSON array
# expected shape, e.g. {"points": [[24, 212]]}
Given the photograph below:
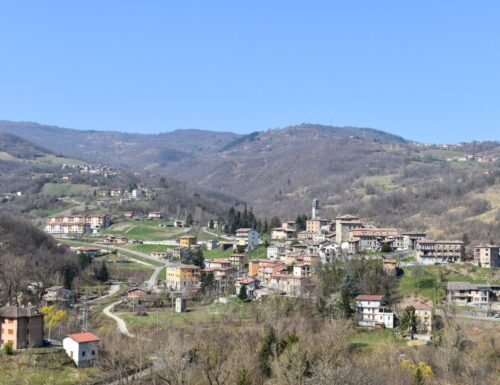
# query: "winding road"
{"points": [[122, 326]]}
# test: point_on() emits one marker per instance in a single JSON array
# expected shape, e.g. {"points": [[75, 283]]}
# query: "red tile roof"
{"points": [[84, 337]]}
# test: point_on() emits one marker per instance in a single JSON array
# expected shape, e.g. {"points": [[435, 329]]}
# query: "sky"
{"points": [[425, 70]]}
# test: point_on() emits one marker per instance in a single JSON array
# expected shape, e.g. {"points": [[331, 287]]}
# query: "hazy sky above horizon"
{"points": [[426, 70]]}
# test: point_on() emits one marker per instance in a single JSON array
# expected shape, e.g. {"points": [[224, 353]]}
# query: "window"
{"points": [[93, 352], [83, 353], [11, 331]]}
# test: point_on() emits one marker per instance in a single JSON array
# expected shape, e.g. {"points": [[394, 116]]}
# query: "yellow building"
{"points": [[181, 277], [187, 240]]}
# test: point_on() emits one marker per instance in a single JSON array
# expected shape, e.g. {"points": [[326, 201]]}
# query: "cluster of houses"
{"points": [[347, 234], [472, 158], [88, 169], [77, 223]]}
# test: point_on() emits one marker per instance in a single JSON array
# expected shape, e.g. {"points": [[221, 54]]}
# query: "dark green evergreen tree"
{"points": [[275, 222], [243, 293], [266, 351], [102, 273], [347, 292]]}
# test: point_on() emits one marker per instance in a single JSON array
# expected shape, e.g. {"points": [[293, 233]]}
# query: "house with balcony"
{"points": [[431, 251], [371, 311]]}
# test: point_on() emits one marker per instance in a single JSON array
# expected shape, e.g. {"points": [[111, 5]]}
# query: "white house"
{"points": [[282, 233], [274, 251], [372, 312], [155, 215], [82, 348], [248, 238], [212, 245], [250, 283]]}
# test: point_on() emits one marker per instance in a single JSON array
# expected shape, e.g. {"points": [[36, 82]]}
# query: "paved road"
{"points": [[151, 282], [461, 315], [204, 229]]}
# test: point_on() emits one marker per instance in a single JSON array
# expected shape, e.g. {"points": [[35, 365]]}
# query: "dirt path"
{"points": [[122, 326]]}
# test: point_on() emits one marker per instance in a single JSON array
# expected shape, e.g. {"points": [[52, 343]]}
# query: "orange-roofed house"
{"points": [[253, 266], [82, 348]]}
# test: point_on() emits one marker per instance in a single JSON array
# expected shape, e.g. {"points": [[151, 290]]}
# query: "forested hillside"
{"points": [[450, 191], [29, 258]]}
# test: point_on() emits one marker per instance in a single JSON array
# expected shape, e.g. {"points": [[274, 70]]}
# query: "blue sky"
{"points": [[426, 70]]}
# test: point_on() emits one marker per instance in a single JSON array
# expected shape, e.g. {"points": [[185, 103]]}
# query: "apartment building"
{"points": [[431, 251], [343, 225], [76, 224], [248, 238], [371, 311], [22, 327], [374, 238], [414, 237], [181, 277], [316, 225], [487, 256]]}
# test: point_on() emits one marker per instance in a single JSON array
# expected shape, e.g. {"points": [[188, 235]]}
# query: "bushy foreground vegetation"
{"points": [[287, 341]]}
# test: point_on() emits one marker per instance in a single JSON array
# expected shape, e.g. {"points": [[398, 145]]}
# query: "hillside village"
{"points": [[138, 255], [289, 260]]}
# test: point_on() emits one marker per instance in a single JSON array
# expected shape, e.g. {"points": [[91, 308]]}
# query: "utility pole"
{"points": [[85, 314]]}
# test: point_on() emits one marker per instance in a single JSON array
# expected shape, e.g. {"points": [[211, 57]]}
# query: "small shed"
{"points": [[180, 305], [82, 348]]}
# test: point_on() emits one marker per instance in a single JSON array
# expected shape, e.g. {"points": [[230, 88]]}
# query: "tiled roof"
{"points": [[18, 312], [84, 337]]}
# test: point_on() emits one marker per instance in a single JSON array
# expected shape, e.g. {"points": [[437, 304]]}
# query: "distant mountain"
{"points": [[271, 170], [17, 147], [120, 149], [379, 176]]}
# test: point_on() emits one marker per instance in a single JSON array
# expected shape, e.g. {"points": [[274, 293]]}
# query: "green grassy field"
{"points": [[65, 189], [218, 253], [143, 230], [197, 315], [147, 249], [432, 282], [41, 367], [365, 338], [125, 263], [259, 252]]}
